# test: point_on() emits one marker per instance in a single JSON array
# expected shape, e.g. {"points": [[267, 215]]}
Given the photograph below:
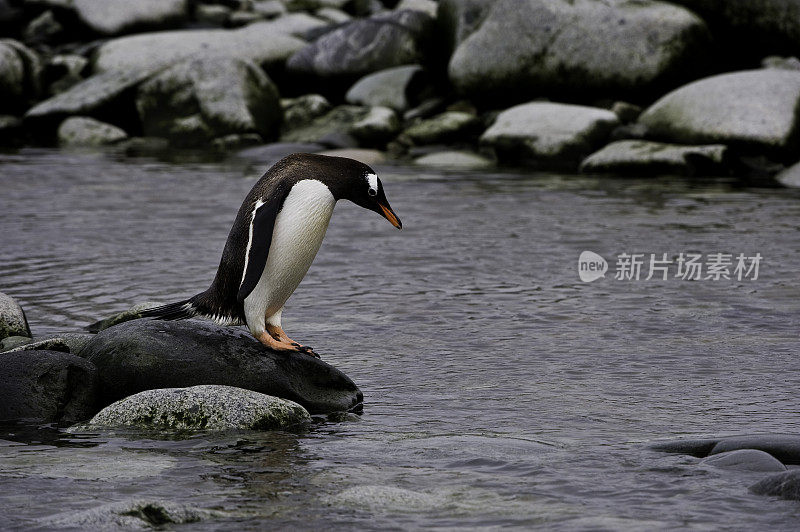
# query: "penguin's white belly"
{"points": [[297, 236]]}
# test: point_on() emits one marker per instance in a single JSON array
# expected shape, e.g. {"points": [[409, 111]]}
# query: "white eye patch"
{"points": [[372, 181]]}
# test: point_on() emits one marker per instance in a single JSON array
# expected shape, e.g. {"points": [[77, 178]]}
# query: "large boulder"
{"points": [[20, 69], [144, 355], [85, 131], [264, 43], [12, 318], [205, 407], [197, 100], [548, 134], [458, 19], [361, 47], [784, 447], [130, 514], [639, 157], [753, 28], [46, 385], [114, 17], [754, 110], [582, 47]]}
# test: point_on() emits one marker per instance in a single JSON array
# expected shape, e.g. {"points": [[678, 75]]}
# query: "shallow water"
{"points": [[500, 390]]}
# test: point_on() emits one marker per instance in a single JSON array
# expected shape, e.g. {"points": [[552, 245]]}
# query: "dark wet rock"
{"points": [[751, 28], [626, 112], [133, 313], [108, 96], [584, 48], [338, 120], [85, 131], [784, 447], [264, 43], [400, 88], [458, 19], [369, 157], [144, 355], [195, 101], [46, 385], [144, 147], [63, 342], [115, 17], [363, 46], [205, 407], [236, 141], [134, 514], [456, 160], [303, 109], [11, 133], [43, 29], [377, 127], [20, 69], [269, 154], [548, 134], [637, 157], [754, 109], [790, 177], [745, 460], [12, 318], [784, 485], [332, 15], [63, 71], [446, 127]]}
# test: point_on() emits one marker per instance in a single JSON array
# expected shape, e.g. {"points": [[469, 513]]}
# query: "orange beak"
{"points": [[389, 214]]}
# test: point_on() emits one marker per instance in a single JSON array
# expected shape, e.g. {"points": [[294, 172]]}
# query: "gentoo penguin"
{"points": [[274, 239]]}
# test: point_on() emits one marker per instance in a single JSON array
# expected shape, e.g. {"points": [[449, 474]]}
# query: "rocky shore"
{"points": [[626, 87], [154, 375]]}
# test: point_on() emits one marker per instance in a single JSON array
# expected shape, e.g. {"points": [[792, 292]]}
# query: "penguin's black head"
{"points": [[366, 190]]}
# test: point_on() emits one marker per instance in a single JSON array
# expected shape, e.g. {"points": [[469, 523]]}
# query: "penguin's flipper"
{"points": [[262, 224]]}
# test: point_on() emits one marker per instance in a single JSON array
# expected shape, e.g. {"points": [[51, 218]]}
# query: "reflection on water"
{"points": [[499, 389]]}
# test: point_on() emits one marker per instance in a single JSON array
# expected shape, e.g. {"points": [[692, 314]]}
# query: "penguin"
{"points": [[276, 235]]}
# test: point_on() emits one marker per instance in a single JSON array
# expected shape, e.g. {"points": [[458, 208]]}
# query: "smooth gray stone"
{"points": [[398, 88], [784, 485], [790, 177], [194, 101], [754, 109], [376, 128], [86, 131], [46, 385], [456, 160], [784, 447], [12, 318], [63, 342], [458, 19], [525, 47], [642, 158], [548, 134], [205, 407], [745, 460], [114, 17], [149, 354]]}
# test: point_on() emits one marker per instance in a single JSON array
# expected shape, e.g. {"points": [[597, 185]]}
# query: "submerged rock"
{"points": [[363, 46], [12, 318], [754, 109], [85, 131], [399, 88], [148, 354], [784, 485], [557, 46], [745, 460], [548, 134], [784, 447], [194, 101], [130, 514], [639, 157], [46, 385], [206, 407], [133, 313]]}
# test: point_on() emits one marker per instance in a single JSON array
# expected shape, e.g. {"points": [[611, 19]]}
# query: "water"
{"points": [[499, 389]]}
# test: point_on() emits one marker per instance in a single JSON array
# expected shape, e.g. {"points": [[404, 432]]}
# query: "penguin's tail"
{"points": [[181, 310]]}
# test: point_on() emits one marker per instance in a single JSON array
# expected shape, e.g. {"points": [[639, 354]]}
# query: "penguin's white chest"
{"points": [[297, 236]]}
